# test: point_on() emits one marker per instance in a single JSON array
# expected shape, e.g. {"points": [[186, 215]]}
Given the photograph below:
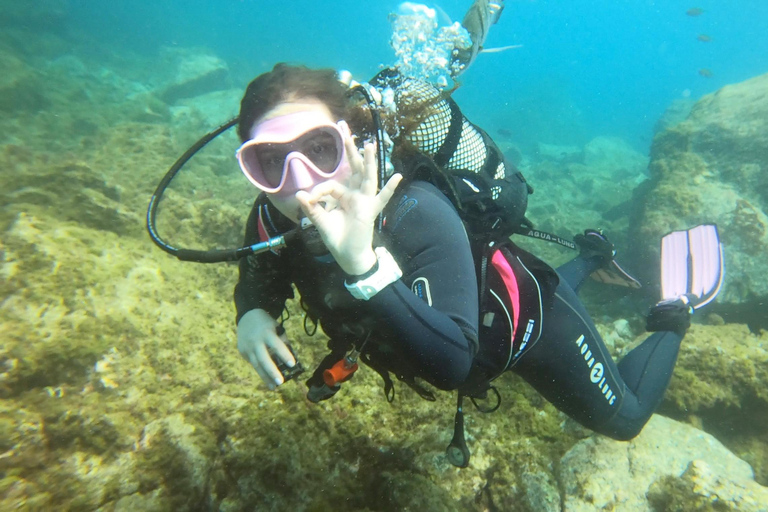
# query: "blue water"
{"points": [[618, 63]]}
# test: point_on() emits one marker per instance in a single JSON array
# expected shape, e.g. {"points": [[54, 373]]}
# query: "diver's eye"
{"points": [[319, 148]]}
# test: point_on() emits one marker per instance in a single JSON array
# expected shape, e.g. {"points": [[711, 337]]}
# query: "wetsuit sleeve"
{"points": [[265, 279], [432, 311]]}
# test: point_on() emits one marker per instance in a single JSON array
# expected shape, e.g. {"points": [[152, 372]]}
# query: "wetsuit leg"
{"points": [[578, 269], [571, 367]]}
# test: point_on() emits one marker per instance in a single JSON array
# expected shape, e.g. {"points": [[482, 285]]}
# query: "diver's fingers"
{"points": [[273, 374], [355, 181], [328, 188], [388, 191], [370, 182], [280, 349], [353, 154], [310, 201], [251, 357]]}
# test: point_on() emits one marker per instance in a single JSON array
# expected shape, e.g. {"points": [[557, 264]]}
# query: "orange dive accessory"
{"points": [[343, 370]]}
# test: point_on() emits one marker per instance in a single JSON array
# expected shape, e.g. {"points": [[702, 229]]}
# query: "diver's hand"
{"points": [[347, 229], [256, 338]]}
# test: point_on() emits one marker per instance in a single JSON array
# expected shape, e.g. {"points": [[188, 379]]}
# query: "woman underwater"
{"points": [[398, 277]]}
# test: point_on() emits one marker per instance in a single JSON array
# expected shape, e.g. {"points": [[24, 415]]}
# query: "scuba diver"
{"points": [[399, 212]]}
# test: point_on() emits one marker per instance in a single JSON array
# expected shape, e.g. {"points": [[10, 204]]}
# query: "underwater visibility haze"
{"points": [[121, 386]]}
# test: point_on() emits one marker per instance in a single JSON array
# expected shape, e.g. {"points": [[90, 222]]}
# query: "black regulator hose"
{"points": [[202, 256], [381, 151]]}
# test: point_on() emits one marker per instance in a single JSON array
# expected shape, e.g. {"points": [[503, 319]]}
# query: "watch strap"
{"points": [[386, 272]]}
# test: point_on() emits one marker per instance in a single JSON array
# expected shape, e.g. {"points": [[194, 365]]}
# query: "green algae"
{"points": [[699, 489], [719, 384]]}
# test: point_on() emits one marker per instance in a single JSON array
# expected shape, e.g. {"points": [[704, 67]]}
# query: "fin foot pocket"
{"points": [[672, 316], [593, 243]]}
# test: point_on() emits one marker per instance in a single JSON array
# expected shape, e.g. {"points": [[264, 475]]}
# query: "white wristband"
{"points": [[387, 273]]}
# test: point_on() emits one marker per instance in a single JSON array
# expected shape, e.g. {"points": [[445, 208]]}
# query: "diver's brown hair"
{"points": [[286, 82]]}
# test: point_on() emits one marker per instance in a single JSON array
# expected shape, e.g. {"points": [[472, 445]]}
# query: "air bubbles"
{"points": [[423, 49]]}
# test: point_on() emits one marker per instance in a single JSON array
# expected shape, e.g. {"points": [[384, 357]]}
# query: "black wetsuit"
{"points": [[572, 368], [425, 324]]}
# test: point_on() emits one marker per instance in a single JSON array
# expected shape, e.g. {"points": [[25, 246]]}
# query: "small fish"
{"points": [[704, 38], [695, 11], [478, 21], [706, 73], [504, 133]]}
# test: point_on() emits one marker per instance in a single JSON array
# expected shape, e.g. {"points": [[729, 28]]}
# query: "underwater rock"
{"points": [[712, 168], [614, 157], [20, 85], [577, 188], [210, 110], [76, 191], [677, 112], [701, 488], [190, 73], [512, 153], [720, 384], [49, 15], [560, 154], [599, 473]]}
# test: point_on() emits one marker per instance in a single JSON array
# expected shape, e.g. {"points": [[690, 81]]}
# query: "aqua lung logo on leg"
{"points": [[597, 371]]}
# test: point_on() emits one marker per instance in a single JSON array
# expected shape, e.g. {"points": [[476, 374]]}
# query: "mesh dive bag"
{"points": [[490, 194]]}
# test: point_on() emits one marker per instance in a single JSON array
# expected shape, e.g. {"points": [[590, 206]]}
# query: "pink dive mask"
{"points": [[294, 152]]}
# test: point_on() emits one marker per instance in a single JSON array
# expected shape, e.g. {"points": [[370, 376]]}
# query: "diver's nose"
{"points": [[299, 174]]}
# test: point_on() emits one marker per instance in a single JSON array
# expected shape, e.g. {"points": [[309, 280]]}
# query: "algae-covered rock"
{"points": [[703, 489], [560, 154], [721, 384], [20, 85], [576, 188], [601, 474], [50, 15], [613, 156], [712, 168], [122, 386], [190, 73], [677, 112]]}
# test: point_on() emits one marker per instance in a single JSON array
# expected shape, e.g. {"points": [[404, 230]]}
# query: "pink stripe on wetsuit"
{"points": [[502, 266]]}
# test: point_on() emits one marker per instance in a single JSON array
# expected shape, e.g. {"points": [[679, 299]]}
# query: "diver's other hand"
{"points": [[256, 338], [347, 229]]}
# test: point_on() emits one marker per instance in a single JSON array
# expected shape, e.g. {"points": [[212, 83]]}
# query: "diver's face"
{"points": [[295, 146]]}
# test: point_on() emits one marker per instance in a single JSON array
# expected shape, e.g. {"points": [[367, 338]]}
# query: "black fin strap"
{"points": [[314, 325], [452, 138], [418, 388], [307, 316], [389, 386], [488, 409]]}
